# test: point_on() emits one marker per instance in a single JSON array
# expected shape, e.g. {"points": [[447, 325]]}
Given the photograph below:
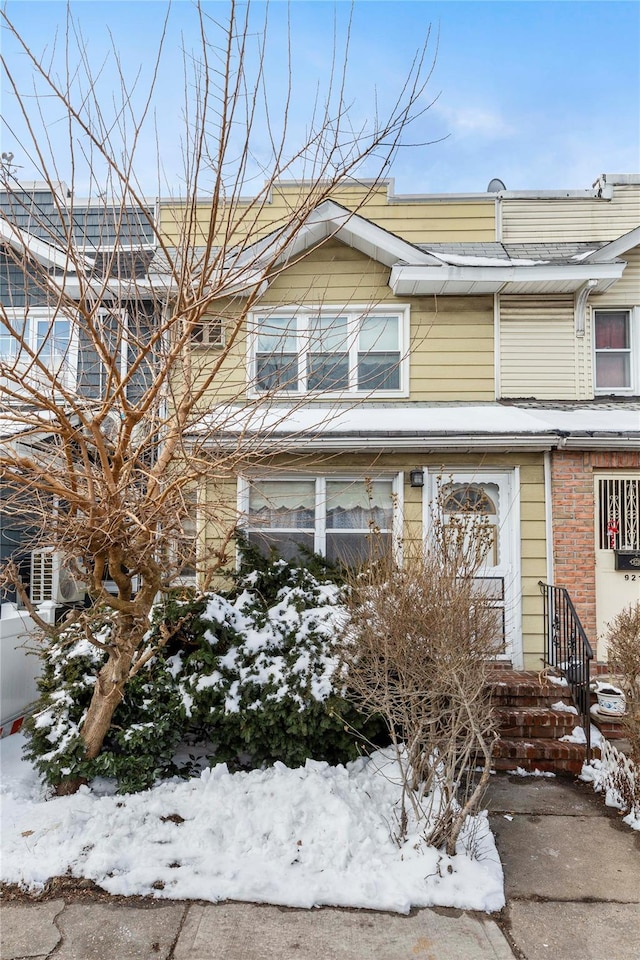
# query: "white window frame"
{"points": [[303, 314], [34, 315], [321, 480], [633, 314]]}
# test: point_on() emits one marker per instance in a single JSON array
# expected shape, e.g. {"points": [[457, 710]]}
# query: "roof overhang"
{"points": [[49, 254], [424, 428], [409, 280]]}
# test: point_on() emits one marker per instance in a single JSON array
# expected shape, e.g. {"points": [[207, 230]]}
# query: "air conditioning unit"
{"points": [[52, 580]]}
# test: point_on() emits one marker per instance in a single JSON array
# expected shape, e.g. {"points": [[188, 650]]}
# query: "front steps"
{"points": [[530, 728]]}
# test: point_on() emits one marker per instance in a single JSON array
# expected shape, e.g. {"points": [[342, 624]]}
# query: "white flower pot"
{"points": [[611, 701]]}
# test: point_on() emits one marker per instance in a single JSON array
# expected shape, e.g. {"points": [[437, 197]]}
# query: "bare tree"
{"points": [[623, 645], [102, 372], [417, 645]]}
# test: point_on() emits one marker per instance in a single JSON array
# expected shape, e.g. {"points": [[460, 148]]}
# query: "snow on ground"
{"points": [[607, 774], [317, 835]]}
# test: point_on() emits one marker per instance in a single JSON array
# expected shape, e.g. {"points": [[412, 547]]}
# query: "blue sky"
{"points": [[541, 94]]}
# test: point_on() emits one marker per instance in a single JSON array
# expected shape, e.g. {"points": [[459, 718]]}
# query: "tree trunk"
{"points": [[110, 682], [107, 694]]}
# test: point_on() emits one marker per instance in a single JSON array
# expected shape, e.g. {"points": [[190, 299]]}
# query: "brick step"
{"points": [[535, 722], [547, 755], [528, 694], [611, 729]]}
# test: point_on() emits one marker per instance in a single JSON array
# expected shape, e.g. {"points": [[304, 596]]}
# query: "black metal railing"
{"points": [[568, 650]]}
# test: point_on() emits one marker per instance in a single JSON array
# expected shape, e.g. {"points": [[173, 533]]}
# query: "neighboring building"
{"points": [[90, 250], [487, 342], [115, 245]]}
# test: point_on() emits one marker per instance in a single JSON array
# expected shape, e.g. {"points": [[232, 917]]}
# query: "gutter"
{"points": [[601, 443], [356, 443]]}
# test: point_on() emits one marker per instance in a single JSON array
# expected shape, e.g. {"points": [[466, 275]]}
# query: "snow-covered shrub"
{"points": [[147, 726], [256, 669], [250, 671]]}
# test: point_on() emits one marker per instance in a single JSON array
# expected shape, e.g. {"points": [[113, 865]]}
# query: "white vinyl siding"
{"points": [[624, 292], [571, 219], [538, 356]]}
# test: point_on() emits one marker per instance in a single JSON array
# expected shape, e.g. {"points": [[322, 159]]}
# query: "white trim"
{"points": [[610, 250], [634, 351], [508, 480], [330, 220], [411, 280], [48, 254], [320, 480], [355, 313], [67, 373], [398, 518]]}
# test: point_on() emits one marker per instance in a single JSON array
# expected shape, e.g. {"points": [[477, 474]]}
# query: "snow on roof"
{"points": [[461, 260], [423, 420]]}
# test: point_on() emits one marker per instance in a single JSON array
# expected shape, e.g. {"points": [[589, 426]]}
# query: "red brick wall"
{"points": [[573, 500]]}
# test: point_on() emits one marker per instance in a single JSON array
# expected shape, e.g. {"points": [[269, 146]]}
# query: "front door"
{"points": [[491, 496], [618, 530]]}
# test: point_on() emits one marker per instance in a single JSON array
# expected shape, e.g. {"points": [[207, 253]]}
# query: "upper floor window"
{"points": [[41, 339], [330, 350], [614, 345]]}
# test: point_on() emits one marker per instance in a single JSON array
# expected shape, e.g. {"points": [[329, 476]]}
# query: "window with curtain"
{"points": [[344, 519], [329, 350], [612, 344]]}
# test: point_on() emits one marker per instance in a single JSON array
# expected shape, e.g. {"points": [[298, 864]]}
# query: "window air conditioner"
{"points": [[51, 580]]}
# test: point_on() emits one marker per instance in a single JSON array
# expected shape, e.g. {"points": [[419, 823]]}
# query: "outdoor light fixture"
{"points": [[416, 478]]}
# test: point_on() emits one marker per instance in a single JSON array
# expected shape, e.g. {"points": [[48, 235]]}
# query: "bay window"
{"points": [[332, 350], [342, 518]]}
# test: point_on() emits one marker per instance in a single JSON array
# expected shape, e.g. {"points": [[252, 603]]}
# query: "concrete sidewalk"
{"points": [[572, 875]]}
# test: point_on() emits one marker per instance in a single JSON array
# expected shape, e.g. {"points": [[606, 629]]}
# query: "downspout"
{"points": [[496, 347], [548, 515]]}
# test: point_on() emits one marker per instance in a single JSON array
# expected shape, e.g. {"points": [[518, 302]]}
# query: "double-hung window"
{"points": [[615, 337], [41, 339], [345, 519], [354, 350]]}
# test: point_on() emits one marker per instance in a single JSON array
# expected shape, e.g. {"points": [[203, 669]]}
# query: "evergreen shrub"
{"points": [[252, 671]]}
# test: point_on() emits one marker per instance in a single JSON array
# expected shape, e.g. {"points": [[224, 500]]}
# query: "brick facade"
{"points": [[573, 503]]}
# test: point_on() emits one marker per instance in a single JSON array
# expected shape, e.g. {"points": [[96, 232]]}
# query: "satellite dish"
{"points": [[495, 186]]}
